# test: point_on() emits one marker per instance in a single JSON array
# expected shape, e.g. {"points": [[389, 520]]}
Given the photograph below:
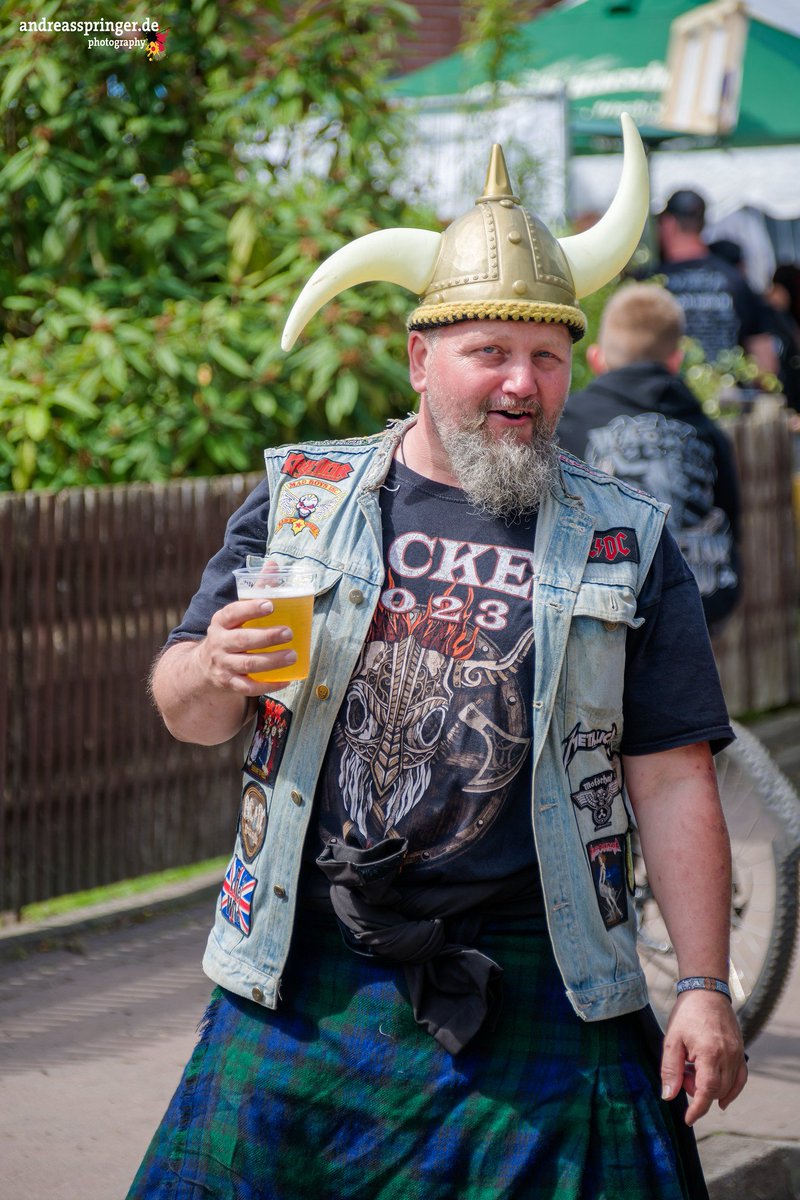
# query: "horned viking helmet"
{"points": [[496, 262]]}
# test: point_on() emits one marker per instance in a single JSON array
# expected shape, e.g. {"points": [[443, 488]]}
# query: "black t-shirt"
{"points": [[433, 738], [722, 311]]}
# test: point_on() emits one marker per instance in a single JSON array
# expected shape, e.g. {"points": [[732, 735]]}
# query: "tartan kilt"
{"points": [[340, 1095]]}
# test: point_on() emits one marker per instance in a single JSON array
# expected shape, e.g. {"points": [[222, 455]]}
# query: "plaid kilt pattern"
{"points": [[339, 1095]]}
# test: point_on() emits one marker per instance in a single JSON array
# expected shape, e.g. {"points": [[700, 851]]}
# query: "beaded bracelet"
{"points": [[707, 983]]}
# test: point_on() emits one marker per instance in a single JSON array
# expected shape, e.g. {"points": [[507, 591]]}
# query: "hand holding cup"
{"points": [[290, 589]]}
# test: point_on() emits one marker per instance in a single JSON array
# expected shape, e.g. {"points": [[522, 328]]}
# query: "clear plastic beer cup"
{"points": [[291, 590]]}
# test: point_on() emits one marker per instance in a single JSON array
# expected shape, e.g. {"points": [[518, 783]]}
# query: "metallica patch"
{"points": [[598, 793], [615, 545], [236, 900], [273, 721], [587, 739], [607, 860], [253, 820]]}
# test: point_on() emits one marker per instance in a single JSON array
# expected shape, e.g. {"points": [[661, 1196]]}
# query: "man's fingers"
{"points": [[738, 1084], [239, 611], [707, 1086], [673, 1062]]}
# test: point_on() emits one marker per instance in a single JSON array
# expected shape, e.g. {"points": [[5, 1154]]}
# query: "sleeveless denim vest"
{"points": [[595, 541]]}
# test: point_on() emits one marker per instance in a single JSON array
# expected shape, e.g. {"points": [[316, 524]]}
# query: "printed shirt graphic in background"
{"points": [[666, 458], [433, 739]]}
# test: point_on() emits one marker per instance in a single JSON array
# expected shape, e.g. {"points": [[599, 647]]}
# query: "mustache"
{"points": [[541, 424]]}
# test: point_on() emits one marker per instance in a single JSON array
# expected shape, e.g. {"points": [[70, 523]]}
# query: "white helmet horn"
{"points": [[600, 253], [402, 256]]}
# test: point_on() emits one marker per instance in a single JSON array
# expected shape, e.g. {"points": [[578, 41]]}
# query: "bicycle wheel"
{"points": [[762, 811]]}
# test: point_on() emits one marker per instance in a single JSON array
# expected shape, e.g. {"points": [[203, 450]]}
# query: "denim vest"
{"points": [[595, 541]]}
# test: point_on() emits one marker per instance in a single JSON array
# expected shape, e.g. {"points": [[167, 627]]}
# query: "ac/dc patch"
{"points": [[598, 793], [237, 896], [306, 503], [253, 820], [615, 545], [607, 860], [273, 721], [296, 464]]}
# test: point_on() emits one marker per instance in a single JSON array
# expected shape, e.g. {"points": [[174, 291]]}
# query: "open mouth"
{"points": [[510, 414]]}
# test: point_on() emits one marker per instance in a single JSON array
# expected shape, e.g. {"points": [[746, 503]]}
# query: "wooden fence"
{"points": [[758, 652], [92, 787]]}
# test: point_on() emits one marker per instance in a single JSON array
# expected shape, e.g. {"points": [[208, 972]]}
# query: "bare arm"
{"points": [[687, 852], [761, 347], [202, 689]]}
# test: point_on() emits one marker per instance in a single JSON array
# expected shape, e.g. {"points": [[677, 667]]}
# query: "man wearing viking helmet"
{"points": [[428, 992]]}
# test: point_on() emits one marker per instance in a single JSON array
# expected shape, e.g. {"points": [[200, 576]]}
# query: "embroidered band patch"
{"points": [[607, 860], [306, 503], [587, 739], [317, 468], [615, 545], [237, 896], [273, 721], [253, 820], [598, 793]]}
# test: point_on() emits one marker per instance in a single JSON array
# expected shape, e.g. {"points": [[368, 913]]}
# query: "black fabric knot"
{"points": [[454, 989]]}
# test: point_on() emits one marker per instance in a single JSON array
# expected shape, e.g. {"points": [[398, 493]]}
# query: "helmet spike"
{"points": [[498, 185]]}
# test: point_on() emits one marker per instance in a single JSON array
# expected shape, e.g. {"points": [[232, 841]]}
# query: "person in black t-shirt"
{"points": [[640, 422], [722, 310]]}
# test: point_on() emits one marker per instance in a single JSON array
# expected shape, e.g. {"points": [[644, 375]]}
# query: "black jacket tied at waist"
{"points": [[454, 989]]}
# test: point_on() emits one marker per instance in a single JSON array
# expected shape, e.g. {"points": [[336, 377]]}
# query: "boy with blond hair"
{"points": [[639, 421]]}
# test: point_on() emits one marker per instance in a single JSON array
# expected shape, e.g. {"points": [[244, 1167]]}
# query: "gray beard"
{"points": [[504, 478]]}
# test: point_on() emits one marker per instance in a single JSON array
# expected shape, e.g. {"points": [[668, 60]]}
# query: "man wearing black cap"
{"points": [[722, 311]]}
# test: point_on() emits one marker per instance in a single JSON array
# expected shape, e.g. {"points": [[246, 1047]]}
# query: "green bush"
{"points": [[148, 261]]}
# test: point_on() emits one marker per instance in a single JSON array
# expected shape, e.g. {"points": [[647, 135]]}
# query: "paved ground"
{"points": [[95, 1030], [93, 1040]]}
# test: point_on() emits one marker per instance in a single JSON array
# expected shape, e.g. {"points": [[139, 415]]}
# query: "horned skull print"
{"points": [[434, 731]]}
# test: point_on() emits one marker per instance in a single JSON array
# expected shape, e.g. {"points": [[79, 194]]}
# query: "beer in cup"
{"points": [[291, 590]]}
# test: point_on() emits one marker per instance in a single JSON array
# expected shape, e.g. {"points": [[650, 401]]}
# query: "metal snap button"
{"points": [[279, 891], [296, 798], [257, 994], [323, 691]]}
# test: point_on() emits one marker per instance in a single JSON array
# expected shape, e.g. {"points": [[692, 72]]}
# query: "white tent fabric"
{"points": [[740, 187], [763, 177]]}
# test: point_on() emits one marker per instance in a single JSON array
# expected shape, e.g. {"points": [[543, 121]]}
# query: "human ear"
{"points": [[674, 360], [596, 359], [418, 351]]}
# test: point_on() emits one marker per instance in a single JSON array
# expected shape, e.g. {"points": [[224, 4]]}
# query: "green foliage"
{"points": [[149, 256], [490, 30], [711, 380], [593, 307]]}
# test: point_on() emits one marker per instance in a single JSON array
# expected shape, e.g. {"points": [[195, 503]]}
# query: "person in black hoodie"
{"points": [[637, 420]]}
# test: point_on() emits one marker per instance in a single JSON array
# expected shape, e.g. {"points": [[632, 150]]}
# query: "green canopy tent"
{"points": [[611, 54]]}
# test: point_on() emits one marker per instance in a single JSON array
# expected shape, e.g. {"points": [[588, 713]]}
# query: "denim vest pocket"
{"points": [[613, 605]]}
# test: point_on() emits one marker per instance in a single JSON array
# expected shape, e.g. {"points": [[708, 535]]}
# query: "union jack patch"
{"points": [[237, 895]]}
